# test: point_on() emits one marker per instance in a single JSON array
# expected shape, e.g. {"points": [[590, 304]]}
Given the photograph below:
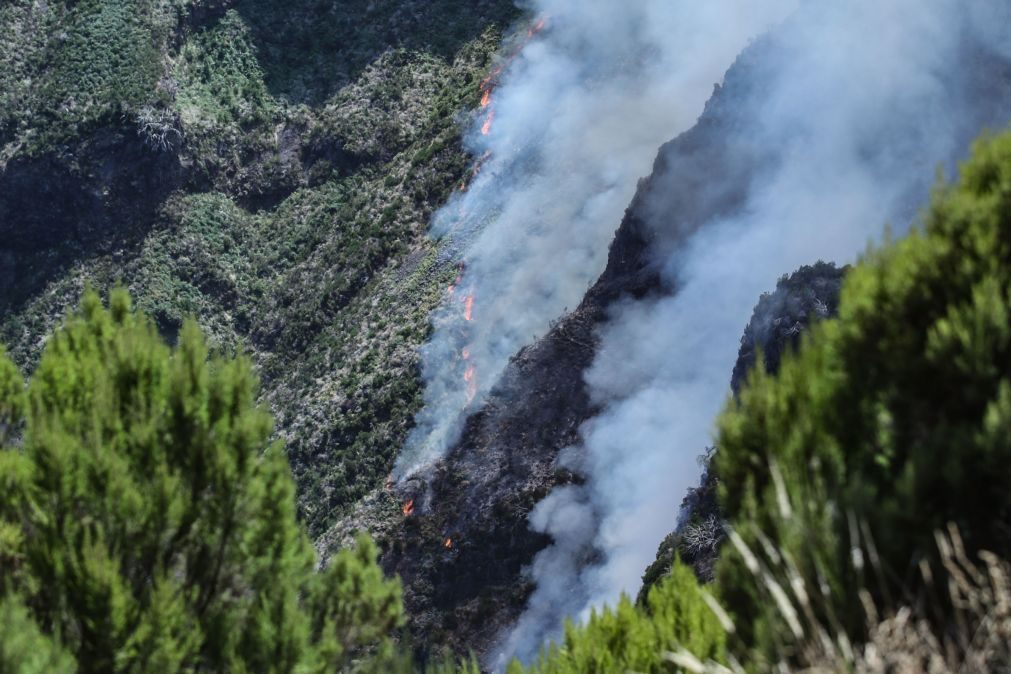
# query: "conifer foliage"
{"points": [[147, 522], [891, 421], [677, 619]]}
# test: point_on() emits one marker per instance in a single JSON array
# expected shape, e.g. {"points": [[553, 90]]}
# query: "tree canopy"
{"points": [[147, 521], [891, 421]]}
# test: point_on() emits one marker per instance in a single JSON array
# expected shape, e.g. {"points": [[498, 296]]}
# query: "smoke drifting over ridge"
{"points": [[571, 126], [828, 128]]}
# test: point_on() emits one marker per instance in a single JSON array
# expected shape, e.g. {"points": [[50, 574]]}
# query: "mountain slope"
{"points": [[481, 496], [269, 170]]}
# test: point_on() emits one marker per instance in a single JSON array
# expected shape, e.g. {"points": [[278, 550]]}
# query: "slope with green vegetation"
{"points": [[269, 169]]}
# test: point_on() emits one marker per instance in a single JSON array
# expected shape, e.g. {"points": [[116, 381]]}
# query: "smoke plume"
{"points": [[569, 126], [832, 125]]}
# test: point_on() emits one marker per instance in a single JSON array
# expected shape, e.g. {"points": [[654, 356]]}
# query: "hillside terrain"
{"points": [[481, 496], [271, 170], [268, 169]]}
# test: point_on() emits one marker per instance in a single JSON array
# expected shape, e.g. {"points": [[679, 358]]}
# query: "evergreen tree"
{"points": [[23, 648], [148, 522], [888, 423]]}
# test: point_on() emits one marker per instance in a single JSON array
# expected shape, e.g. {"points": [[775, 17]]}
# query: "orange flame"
{"points": [[468, 308], [487, 83], [470, 376], [409, 508], [486, 98], [537, 27], [486, 127], [448, 544]]}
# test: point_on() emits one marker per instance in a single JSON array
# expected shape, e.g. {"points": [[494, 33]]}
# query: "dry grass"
{"points": [[975, 637]]}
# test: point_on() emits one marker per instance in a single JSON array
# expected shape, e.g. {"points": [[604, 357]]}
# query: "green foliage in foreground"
{"points": [[640, 639], [148, 524], [890, 421], [24, 649]]}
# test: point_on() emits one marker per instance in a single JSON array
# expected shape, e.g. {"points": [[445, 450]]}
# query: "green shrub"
{"points": [[640, 639], [889, 422], [149, 523], [24, 649]]}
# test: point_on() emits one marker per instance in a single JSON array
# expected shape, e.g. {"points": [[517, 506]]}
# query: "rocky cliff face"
{"points": [[776, 326]]}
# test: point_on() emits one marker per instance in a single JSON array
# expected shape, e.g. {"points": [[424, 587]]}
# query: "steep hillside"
{"points": [[268, 168], [464, 545], [482, 494], [780, 318]]}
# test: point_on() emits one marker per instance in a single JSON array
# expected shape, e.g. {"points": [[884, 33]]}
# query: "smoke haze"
{"points": [[831, 126], [572, 125]]}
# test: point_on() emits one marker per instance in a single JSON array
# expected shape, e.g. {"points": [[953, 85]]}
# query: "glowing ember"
{"points": [[470, 376], [409, 508], [486, 83], [486, 127], [468, 308], [448, 544], [486, 98]]}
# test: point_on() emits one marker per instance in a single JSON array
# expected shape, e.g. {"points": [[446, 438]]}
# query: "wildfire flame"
{"points": [[489, 83], [468, 308], [470, 376], [448, 544], [409, 508]]}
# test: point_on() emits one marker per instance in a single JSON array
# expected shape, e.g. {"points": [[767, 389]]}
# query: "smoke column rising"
{"points": [[858, 102], [574, 123]]}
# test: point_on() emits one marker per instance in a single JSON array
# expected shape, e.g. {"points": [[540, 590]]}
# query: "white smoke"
{"points": [[859, 103], [578, 116]]}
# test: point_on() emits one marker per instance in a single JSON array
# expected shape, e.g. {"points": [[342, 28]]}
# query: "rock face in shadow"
{"points": [[102, 193], [111, 180], [779, 320]]}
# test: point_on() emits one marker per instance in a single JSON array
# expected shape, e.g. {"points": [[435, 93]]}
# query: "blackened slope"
{"points": [[480, 496], [780, 318], [810, 293]]}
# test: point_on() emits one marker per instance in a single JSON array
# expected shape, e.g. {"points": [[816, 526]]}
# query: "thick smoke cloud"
{"points": [[852, 106], [573, 124]]}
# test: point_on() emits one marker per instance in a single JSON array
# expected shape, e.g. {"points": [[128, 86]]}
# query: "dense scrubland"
{"points": [[269, 170]]}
